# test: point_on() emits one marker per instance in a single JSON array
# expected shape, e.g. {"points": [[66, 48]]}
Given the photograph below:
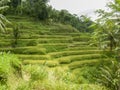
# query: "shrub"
{"points": [[29, 50], [8, 64], [37, 73], [110, 76]]}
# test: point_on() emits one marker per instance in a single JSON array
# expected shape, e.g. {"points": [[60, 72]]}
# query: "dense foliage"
{"points": [[110, 76], [3, 20], [107, 34], [107, 27], [10, 67], [41, 10], [55, 45]]}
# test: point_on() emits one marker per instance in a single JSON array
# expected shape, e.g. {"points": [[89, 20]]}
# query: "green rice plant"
{"points": [[74, 58], [60, 28], [81, 38], [5, 44], [82, 48], [84, 57], [71, 34], [33, 62], [32, 43], [64, 61], [92, 87], [34, 51], [54, 40], [92, 62], [34, 57], [29, 50], [24, 35], [54, 36], [70, 53], [55, 47], [79, 64], [26, 42], [49, 63]]}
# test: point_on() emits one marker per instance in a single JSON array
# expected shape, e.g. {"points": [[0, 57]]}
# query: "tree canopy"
{"points": [[41, 10], [107, 26]]}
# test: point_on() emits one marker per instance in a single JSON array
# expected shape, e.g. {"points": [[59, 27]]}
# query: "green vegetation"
{"points": [[109, 76], [107, 27], [37, 77], [10, 69], [41, 10], [2, 17], [47, 49]]}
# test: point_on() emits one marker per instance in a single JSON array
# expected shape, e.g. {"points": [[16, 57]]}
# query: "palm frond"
{"points": [[3, 19], [3, 8]]}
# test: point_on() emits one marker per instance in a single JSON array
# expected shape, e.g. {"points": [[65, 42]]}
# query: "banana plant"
{"points": [[106, 31], [110, 76]]}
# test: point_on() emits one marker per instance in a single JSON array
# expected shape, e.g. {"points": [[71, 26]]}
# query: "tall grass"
{"points": [[9, 65], [44, 78]]}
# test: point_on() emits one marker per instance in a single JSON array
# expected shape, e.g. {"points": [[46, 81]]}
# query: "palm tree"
{"points": [[3, 19]]}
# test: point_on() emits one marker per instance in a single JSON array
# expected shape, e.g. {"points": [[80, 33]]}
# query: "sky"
{"points": [[80, 7]]}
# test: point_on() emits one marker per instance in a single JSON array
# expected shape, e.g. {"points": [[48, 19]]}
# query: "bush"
{"points": [[37, 73], [9, 64], [110, 76]]}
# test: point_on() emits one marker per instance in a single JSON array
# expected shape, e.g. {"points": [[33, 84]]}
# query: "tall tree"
{"points": [[108, 28], [15, 3], [37, 8]]}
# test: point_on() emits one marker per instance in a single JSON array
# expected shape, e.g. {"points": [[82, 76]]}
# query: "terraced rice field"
{"points": [[53, 46]]}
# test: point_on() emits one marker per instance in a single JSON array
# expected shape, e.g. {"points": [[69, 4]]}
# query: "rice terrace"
{"points": [[42, 48]]}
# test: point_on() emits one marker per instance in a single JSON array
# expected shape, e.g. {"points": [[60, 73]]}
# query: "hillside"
{"points": [[54, 45], [45, 48], [59, 47]]}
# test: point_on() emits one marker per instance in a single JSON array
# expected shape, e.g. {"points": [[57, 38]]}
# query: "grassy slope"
{"points": [[55, 45]]}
